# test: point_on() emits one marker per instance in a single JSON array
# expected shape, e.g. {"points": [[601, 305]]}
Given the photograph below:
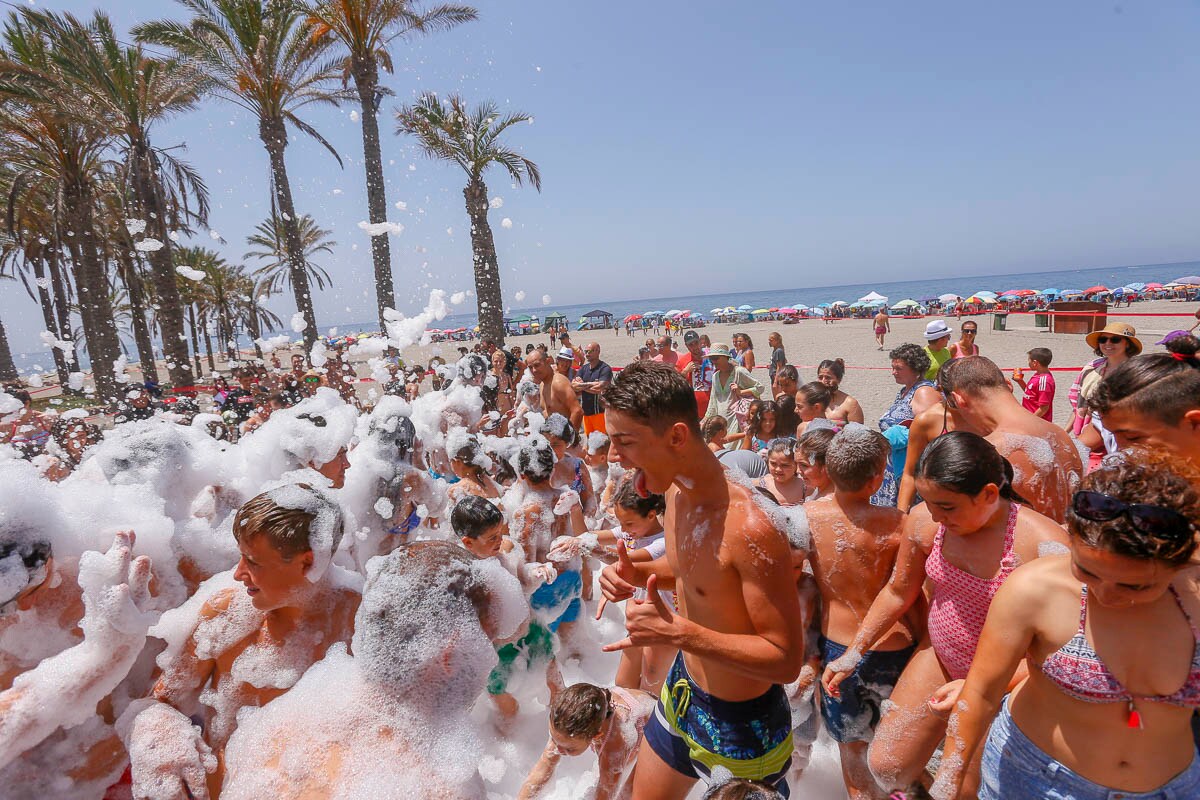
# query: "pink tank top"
{"points": [[961, 601]]}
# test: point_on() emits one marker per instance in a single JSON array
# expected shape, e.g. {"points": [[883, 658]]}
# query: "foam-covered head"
{"points": [[29, 521], [294, 519], [534, 459], [429, 612], [558, 427], [310, 433]]}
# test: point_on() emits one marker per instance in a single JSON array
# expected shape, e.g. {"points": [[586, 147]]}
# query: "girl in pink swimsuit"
{"points": [[966, 538], [1110, 632]]}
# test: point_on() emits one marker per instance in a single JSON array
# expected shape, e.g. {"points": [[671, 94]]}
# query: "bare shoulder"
{"points": [[1041, 580], [1036, 528], [759, 532], [218, 604], [919, 527]]}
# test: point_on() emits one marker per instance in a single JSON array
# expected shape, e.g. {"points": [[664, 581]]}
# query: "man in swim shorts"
{"points": [[738, 620]]}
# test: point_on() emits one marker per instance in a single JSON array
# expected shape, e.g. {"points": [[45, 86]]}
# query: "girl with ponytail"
{"points": [[1153, 400], [966, 538]]}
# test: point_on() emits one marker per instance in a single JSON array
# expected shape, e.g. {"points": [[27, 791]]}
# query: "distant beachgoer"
{"points": [[667, 354], [696, 367], [778, 356], [909, 365], [937, 336], [502, 371], [842, 407], [966, 345], [590, 382], [1115, 344], [1039, 390], [733, 388], [743, 351], [883, 326]]}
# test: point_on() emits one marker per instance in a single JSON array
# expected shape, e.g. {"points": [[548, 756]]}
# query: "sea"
{"points": [[895, 291]]}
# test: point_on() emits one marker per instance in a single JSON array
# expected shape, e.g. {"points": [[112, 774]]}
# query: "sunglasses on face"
{"points": [[969, 331], [1148, 519], [1109, 339], [312, 380]]}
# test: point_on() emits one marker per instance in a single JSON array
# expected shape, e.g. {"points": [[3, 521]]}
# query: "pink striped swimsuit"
{"points": [[961, 601]]}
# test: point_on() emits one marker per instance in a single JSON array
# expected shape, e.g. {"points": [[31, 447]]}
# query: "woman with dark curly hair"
{"points": [[909, 365], [1113, 649]]}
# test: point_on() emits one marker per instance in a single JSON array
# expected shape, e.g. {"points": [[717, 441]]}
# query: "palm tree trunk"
{"points": [[62, 306], [366, 80], [487, 270], [253, 329], [47, 304], [212, 364], [199, 368], [91, 281], [169, 311], [8, 370], [274, 138], [137, 312]]}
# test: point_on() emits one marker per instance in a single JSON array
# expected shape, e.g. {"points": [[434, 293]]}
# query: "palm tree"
{"points": [[8, 370], [270, 237], [365, 29], [60, 155], [135, 91], [449, 131], [198, 296], [252, 313], [261, 55]]}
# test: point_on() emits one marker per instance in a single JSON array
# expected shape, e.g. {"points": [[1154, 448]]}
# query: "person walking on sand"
{"points": [[738, 621], [883, 326]]}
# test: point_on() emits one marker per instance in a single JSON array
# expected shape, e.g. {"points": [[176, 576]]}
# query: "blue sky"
{"points": [[703, 146]]}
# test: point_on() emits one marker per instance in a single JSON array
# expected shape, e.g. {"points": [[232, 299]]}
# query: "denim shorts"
{"points": [[1013, 766]]}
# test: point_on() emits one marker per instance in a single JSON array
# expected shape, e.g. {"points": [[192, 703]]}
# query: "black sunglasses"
{"points": [[970, 330], [1151, 520], [315, 419], [1109, 339]]}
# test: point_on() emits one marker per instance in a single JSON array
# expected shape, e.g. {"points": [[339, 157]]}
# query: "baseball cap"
{"points": [[691, 336], [1172, 336], [936, 330]]}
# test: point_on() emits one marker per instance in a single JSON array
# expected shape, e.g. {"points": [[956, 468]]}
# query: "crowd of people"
{"points": [[291, 587]]}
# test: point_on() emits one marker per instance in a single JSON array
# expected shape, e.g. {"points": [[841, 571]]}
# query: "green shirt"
{"points": [[936, 361]]}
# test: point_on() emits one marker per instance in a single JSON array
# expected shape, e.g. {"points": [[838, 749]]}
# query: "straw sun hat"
{"points": [[1117, 329]]}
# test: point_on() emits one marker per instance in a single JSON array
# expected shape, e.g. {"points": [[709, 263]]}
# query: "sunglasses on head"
{"points": [[1148, 519], [1109, 339]]}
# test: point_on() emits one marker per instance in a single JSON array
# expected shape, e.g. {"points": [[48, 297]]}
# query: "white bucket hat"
{"points": [[936, 330]]}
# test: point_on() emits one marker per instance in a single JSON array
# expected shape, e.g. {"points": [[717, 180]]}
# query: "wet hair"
{"points": [[741, 789], [535, 460], [970, 375], [788, 373], [815, 393], [654, 394], [627, 497], [965, 463], [815, 444], [1164, 386], [785, 446], [1140, 476], [838, 367], [559, 427], [1041, 355], [402, 434], [855, 457], [473, 516], [712, 426], [912, 356], [579, 710], [469, 452], [758, 415], [286, 529]]}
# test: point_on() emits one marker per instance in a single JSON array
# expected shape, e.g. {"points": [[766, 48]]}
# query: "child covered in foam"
{"points": [[391, 721], [230, 649]]}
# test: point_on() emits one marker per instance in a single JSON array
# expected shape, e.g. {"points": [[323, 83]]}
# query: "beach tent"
{"points": [[948, 298], [553, 315], [599, 318], [872, 298]]}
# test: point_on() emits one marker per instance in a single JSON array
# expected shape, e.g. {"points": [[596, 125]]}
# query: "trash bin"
{"points": [[1000, 321], [1041, 320]]}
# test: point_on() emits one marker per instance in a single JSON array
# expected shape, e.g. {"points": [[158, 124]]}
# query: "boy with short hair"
{"points": [[852, 553], [1039, 390], [246, 648]]}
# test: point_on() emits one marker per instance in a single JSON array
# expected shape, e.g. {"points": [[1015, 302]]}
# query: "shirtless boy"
{"points": [[291, 611], [853, 551], [738, 621], [558, 397], [1045, 461]]}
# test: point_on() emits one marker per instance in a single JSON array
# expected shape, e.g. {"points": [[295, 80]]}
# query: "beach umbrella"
{"points": [[772, 310], [716, 311], [1050, 292], [823, 305], [1070, 292], [907, 304], [948, 298], [673, 312], [761, 311], [745, 308], [800, 307], [632, 318], [929, 298], [1095, 290], [1018, 293], [787, 311], [985, 295], [1154, 286], [1137, 287], [1189, 280], [838, 303]]}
